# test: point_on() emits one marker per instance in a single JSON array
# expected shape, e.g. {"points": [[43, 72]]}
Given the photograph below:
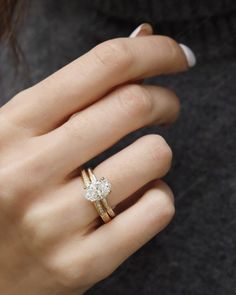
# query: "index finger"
{"points": [[88, 78]]}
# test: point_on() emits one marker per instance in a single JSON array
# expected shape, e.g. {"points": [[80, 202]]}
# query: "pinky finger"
{"points": [[93, 258], [114, 242]]}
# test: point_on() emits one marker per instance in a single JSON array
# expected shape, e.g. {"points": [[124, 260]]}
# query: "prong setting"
{"points": [[98, 190]]}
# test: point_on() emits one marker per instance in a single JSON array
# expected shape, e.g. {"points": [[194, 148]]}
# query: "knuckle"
{"points": [[168, 207], [170, 46], [17, 192], [12, 189], [35, 227], [162, 185], [22, 93], [165, 201], [136, 101], [66, 272], [65, 275], [113, 53], [14, 124], [171, 94], [159, 152], [175, 101]]}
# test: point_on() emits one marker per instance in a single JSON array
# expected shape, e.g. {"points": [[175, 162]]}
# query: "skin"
{"points": [[52, 240]]}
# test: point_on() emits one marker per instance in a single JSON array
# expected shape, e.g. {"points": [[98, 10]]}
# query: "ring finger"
{"points": [[66, 211]]}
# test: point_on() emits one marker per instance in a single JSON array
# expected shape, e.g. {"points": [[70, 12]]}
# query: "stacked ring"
{"points": [[97, 192]]}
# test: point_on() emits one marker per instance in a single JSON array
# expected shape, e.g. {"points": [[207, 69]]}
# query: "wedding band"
{"points": [[97, 192]]}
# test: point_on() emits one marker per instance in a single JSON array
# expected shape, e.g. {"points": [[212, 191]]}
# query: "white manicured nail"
{"points": [[190, 56], [143, 29]]}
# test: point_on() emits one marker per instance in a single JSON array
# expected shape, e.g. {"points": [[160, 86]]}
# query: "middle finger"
{"points": [[46, 105], [101, 125]]}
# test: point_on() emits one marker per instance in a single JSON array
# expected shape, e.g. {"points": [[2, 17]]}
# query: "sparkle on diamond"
{"points": [[98, 190]]}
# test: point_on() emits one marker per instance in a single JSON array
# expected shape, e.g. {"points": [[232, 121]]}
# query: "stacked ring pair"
{"points": [[97, 191]]}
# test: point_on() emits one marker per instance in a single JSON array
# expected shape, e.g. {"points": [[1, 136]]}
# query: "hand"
{"points": [[52, 239]]}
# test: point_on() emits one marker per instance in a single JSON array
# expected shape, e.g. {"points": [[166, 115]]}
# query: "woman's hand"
{"points": [[52, 241]]}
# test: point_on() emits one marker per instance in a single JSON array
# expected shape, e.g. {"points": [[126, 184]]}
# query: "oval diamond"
{"points": [[98, 190]]}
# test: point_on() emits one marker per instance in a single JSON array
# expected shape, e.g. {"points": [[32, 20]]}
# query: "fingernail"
{"points": [[142, 30], [190, 56]]}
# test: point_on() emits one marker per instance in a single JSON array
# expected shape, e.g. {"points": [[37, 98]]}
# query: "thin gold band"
{"points": [[108, 208], [103, 214]]}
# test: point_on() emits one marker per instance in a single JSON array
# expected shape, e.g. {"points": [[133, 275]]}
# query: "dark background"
{"points": [[197, 252]]}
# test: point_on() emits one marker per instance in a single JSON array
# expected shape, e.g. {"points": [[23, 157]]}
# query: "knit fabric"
{"points": [[162, 10], [195, 255], [208, 24]]}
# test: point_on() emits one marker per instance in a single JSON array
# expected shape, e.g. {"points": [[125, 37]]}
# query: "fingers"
{"points": [[104, 123], [66, 211], [144, 29], [88, 78], [132, 228], [101, 252]]}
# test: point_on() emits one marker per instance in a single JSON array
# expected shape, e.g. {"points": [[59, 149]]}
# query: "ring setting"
{"points": [[97, 191]]}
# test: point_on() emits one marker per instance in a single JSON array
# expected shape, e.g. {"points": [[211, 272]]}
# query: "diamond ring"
{"points": [[97, 191]]}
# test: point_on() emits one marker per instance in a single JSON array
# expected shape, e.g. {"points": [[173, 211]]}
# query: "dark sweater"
{"points": [[196, 255]]}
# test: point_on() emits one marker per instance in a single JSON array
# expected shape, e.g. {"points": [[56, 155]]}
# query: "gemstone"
{"points": [[98, 190]]}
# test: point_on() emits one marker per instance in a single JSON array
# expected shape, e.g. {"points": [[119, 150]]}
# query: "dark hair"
{"points": [[11, 12]]}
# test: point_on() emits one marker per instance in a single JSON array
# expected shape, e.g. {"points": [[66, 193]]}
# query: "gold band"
{"points": [[103, 214], [99, 201], [108, 208]]}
